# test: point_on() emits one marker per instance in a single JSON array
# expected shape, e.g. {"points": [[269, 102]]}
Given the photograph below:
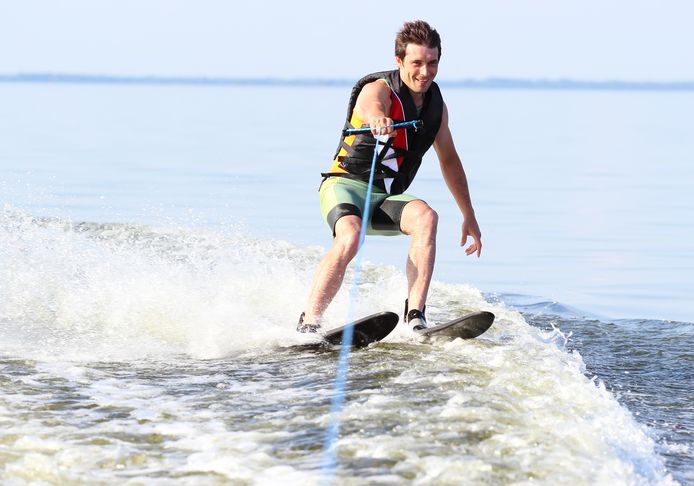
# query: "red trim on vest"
{"points": [[397, 112]]}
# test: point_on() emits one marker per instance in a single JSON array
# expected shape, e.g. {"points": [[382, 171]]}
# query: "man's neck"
{"points": [[418, 98]]}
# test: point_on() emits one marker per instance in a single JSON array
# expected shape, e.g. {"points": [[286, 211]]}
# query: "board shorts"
{"points": [[340, 196]]}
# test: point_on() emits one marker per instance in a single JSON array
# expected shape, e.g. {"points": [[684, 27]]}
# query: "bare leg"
{"points": [[420, 222], [331, 270]]}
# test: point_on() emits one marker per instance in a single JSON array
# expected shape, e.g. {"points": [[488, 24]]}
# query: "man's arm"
{"points": [[454, 175], [373, 106]]}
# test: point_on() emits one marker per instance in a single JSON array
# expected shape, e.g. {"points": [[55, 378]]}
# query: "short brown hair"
{"points": [[416, 32]]}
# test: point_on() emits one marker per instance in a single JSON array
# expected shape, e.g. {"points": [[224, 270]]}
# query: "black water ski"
{"points": [[467, 327], [367, 330]]}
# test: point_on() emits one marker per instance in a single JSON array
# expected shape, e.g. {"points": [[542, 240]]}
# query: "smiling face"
{"points": [[418, 68]]}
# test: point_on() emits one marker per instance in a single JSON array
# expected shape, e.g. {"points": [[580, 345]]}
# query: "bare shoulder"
{"points": [[443, 143], [377, 87], [375, 93], [444, 116], [444, 132]]}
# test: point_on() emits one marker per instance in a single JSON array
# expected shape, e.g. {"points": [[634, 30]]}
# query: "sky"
{"points": [[630, 40]]}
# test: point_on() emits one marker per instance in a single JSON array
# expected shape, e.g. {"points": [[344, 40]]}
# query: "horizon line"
{"points": [[471, 83]]}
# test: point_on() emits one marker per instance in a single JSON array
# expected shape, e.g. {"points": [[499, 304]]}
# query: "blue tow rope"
{"points": [[329, 450]]}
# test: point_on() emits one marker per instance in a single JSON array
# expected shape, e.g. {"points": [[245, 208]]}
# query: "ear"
{"points": [[398, 61]]}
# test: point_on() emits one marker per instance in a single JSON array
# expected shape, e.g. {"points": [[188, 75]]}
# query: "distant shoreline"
{"points": [[488, 83]]}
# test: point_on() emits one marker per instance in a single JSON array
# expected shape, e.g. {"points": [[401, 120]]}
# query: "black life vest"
{"points": [[400, 158]]}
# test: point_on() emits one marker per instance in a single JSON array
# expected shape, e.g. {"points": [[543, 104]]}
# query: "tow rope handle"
{"points": [[416, 124]]}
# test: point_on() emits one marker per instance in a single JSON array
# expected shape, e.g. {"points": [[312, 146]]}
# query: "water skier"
{"points": [[378, 101]]}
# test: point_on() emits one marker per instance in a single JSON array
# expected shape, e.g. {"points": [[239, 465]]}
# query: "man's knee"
{"points": [[429, 217], [347, 232], [419, 218]]}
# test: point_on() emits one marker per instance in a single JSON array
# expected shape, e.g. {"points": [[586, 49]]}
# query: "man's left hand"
{"points": [[471, 228]]}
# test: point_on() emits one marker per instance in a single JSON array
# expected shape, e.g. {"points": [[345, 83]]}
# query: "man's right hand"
{"points": [[377, 124]]}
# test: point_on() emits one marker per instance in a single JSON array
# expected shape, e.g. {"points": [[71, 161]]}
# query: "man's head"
{"points": [[416, 32], [417, 54]]}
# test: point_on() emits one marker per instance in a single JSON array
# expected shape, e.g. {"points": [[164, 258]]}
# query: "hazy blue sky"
{"points": [[582, 39]]}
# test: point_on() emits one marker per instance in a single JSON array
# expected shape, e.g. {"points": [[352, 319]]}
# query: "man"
{"points": [[378, 101]]}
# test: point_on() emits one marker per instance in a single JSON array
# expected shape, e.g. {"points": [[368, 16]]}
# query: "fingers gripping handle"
{"points": [[416, 124]]}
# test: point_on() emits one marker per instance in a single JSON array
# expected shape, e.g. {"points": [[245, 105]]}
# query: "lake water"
{"points": [[157, 245]]}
